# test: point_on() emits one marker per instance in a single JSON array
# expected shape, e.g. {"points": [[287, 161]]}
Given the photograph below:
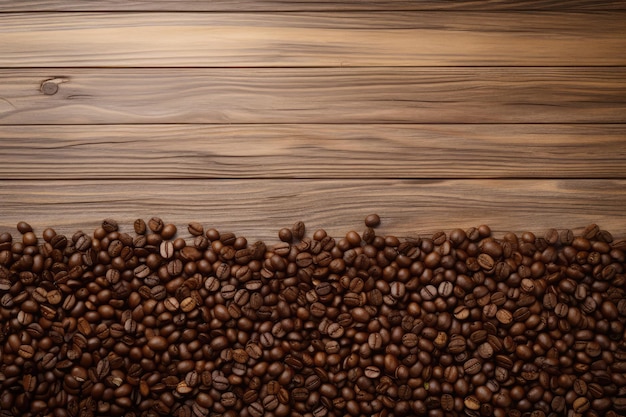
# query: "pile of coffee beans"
{"points": [[463, 323]]}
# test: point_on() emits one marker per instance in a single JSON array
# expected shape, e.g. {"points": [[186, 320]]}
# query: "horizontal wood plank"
{"points": [[314, 95], [312, 151], [258, 208], [304, 5], [312, 39]]}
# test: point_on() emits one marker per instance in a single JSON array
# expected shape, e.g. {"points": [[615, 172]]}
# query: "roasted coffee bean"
{"points": [[195, 229], [485, 261], [372, 220], [335, 330], [472, 403], [504, 316], [24, 227], [581, 405], [26, 351], [472, 366], [298, 230], [156, 224], [167, 249], [256, 409], [109, 225], [140, 226]]}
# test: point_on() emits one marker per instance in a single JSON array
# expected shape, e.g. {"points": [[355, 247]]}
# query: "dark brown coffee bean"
{"points": [[486, 262], [300, 394], [472, 366], [485, 350], [445, 289], [109, 225], [372, 220], [561, 310], [270, 402], [29, 382], [372, 372], [195, 229], [156, 224], [581, 405], [140, 226], [166, 249], [187, 304], [256, 409], [504, 316], [457, 344], [335, 330], [409, 340], [24, 227], [298, 230], [26, 351], [471, 403]]}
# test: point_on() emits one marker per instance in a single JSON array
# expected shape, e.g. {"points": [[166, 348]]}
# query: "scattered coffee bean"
{"points": [[372, 220], [195, 229]]}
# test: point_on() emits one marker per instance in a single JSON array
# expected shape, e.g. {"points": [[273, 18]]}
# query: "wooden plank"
{"points": [[303, 5], [312, 39], [258, 208], [312, 151], [314, 95]]}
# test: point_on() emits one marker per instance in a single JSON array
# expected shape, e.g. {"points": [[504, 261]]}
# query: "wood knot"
{"points": [[49, 87]]}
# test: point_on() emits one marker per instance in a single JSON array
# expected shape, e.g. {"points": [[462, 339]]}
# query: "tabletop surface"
{"points": [[250, 115]]}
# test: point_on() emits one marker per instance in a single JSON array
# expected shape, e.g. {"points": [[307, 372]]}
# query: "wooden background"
{"points": [[249, 115]]}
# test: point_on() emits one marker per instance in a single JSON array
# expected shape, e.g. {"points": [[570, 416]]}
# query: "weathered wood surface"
{"points": [[305, 5], [312, 151], [312, 39], [258, 208], [315, 95]]}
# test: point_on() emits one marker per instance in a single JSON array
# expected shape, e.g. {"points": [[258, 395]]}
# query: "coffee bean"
{"points": [[445, 289], [561, 310], [156, 224], [409, 340], [109, 225], [228, 399], [298, 230], [142, 271], [472, 366], [26, 351], [166, 249], [372, 220], [195, 229], [486, 261], [581, 405], [24, 227], [187, 304], [140, 226], [256, 409], [335, 330], [300, 394], [372, 372], [270, 402], [457, 344], [504, 316], [471, 403]]}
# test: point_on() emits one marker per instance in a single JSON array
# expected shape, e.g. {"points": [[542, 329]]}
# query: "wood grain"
{"points": [[312, 151], [312, 39], [304, 5], [315, 95], [258, 208]]}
